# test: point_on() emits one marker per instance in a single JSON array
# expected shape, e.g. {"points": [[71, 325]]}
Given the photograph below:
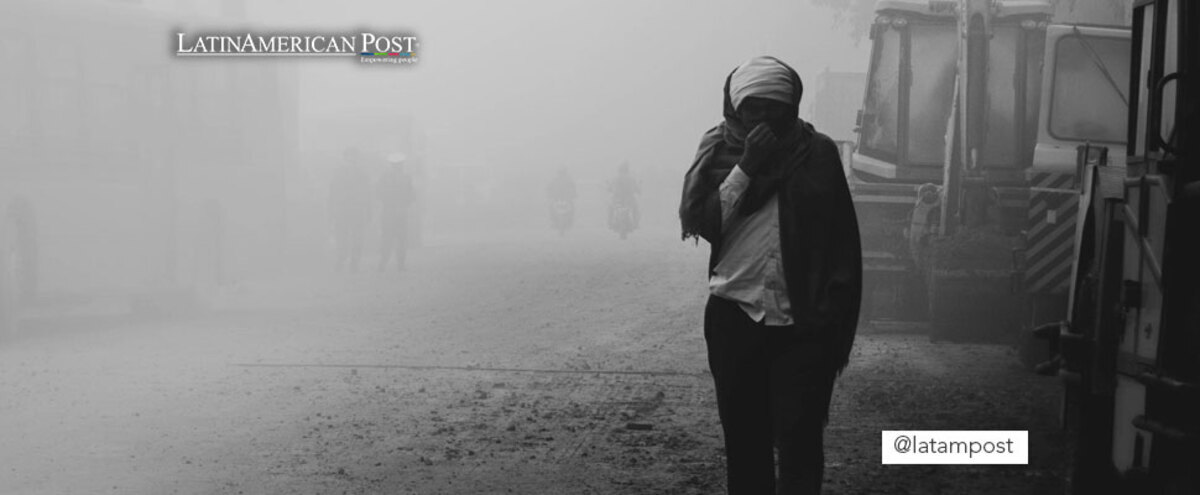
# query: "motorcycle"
{"points": [[562, 214], [622, 220]]}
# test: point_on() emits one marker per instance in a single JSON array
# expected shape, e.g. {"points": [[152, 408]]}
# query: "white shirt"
{"points": [[749, 270]]}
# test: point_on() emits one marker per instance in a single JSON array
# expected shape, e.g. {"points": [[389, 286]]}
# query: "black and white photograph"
{"points": [[573, 247]]}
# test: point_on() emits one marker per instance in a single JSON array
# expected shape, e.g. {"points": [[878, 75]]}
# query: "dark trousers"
{"points": [[772, 396], [393, 240], [348, 234]]}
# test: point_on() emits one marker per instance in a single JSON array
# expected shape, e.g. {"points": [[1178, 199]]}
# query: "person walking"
{"points": [[395, 193], [349, 210], [768, 193]]}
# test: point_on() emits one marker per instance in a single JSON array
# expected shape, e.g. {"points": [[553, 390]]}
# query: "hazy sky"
{"points": [[549, 82]]}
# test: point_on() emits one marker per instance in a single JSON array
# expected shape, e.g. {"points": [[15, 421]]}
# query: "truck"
{"points": [[1128, 351], [963, 174], [129, 179]]}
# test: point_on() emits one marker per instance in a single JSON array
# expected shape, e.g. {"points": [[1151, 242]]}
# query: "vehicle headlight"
{"points": [[929, 194]]}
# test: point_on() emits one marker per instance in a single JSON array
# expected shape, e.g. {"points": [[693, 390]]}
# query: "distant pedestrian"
{"points": [[395, 192], [768, 193], [349, 210]]}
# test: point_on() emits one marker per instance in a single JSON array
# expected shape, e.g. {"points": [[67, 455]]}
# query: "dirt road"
{"points": [[526, 364]]}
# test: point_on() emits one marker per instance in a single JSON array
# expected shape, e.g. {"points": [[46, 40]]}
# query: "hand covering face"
{"points": [[761, 77]]}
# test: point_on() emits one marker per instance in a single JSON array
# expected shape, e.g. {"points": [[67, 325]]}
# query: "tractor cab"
{"points": [[917, 75]]}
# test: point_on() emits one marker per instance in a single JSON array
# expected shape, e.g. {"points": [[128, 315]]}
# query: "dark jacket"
{"points": [[819, 238]]}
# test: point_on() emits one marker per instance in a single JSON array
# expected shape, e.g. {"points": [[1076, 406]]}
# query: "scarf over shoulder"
{"points": [[819, 239]]}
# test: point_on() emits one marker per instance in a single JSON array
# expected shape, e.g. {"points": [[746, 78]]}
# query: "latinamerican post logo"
{"points": [[369, 48]]}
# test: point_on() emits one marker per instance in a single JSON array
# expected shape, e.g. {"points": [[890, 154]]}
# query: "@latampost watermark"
{"points": [[956, 447], [368, 47]]}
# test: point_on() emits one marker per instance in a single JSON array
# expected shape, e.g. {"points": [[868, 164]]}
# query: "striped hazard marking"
{"points": [[1050, 233]]}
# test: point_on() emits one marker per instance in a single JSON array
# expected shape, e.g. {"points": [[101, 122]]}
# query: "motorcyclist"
{"points": [[562, 187], [561, 190], [624, 191]]}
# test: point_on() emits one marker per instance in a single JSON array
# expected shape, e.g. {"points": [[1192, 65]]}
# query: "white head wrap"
{"points": [[763, 77]]}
